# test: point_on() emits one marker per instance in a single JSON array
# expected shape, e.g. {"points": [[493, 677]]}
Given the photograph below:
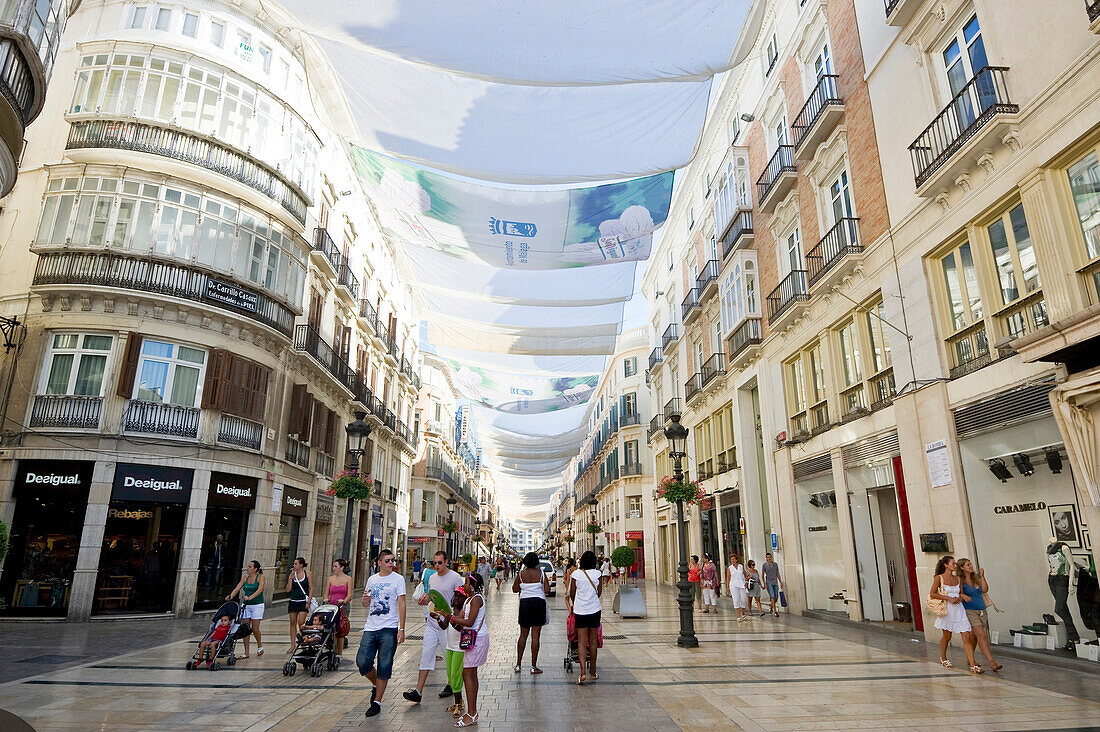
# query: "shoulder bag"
{"points": [[936, 606], [467, 637]]}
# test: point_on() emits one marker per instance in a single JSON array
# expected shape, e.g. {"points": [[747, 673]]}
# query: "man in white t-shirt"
{"points": [[605, 570], [445, 582], [384, 596]]}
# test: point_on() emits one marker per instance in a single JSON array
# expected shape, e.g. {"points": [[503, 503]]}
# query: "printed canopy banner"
{"points": [[516, 228], [520, 393]]}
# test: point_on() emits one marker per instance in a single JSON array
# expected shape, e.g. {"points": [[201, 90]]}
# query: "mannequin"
{"points": [[1061, 585]]}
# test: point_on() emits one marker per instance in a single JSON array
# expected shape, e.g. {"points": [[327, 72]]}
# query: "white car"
{"points": [[550, 574]]}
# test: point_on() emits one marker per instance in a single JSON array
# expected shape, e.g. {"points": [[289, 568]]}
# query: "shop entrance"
{"points": [[51, 500], [708, 526], [222, 559], [293, 503], [734, 541], [879, 545], [137, 567]]}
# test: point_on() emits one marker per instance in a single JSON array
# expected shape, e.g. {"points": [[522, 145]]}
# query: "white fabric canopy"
{"points": [[562, 365], [466, 308]]}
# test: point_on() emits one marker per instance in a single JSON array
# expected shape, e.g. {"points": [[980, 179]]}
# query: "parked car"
{"points": [[551, 575]]}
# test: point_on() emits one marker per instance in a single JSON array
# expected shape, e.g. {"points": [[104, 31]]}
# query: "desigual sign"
{"points": [[294, 501], [38, 474], [1020, 507], [152, 483], [232, 491]]}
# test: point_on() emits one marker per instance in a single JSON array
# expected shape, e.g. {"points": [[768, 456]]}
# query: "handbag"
{"points": [[345, 624], [418, 593], [467, 637], [782, 598], [936, 606], [312, 605], [571, 627]]}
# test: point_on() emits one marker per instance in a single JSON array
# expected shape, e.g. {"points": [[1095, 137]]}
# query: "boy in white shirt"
{"points": [[384, 630]]}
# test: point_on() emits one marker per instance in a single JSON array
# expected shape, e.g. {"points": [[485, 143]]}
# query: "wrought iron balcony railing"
{"points": [[656, 356], [188, 148], [106, 269], [825, 93], [671, 335], [241, 432], [630, 419], [690, 302], [838, 242], [707, 275], [782, 162], [747, 334], [693, 386], [741, 226], [791, 290], [368, 313], [672, 406], [160, 418], [983, 97], [714, 366], [323, 243], [347, 279], [310, 341], [58, 410]]}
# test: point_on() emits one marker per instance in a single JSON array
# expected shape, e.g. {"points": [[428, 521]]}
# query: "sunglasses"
{"points": [[437, 563], [390, 560]]}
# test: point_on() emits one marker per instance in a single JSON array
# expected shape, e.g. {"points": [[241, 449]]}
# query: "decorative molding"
{"points": [[945, 202], [828, 155], [47, 303], [986, 163], [108, 304], [132, 307], [158, 311], [785, 215], [963, 182], [85, 303], [1012, 141], [181, 315], [65, 301]]}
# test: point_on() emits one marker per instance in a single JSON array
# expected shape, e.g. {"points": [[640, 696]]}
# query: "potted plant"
{"points": [[467, 559], [351, 486], [593, 528], [448, 527], [629, 601]]}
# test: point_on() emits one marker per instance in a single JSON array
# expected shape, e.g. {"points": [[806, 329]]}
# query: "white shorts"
{"points": [[710, 597], [740, 597], [252, 612], [434, 638]]}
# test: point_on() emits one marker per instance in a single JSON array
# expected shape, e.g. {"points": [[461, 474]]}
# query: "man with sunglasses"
{"points": [[444, 581], [384, 596]]}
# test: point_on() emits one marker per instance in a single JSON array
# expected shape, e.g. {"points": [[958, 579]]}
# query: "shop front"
{"points": [[51, 499], [708, 526], [293, 503], [819, 531], [733, 527], [636, 541], [322, 554], [1030, 532], [141, 539], [222, 559]]}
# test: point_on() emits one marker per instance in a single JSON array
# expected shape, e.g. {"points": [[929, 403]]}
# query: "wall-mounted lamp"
{"points": [[999, 469], [746, 117], [1023, 464], [1054, 460]]}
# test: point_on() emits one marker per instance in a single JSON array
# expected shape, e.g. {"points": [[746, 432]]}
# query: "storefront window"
{"points": [[293, 512], [1084, 182], [819, 529], [51, 499], [222, 559]]}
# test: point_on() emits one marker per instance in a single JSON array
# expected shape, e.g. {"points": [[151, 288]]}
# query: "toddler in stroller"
{"points": [[316, 645], [220, 639]]}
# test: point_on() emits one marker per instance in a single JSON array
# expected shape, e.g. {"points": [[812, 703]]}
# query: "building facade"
{"points": [[207, 301]]}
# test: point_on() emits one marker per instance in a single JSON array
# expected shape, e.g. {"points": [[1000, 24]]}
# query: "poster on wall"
{"points": [[516, 228], [939, 463], [1064, 525]]}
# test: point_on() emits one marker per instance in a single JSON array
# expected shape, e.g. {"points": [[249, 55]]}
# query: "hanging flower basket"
{"points": [[569, 538], [593, 528], [672, 490], [449, 527], [351, 487]]}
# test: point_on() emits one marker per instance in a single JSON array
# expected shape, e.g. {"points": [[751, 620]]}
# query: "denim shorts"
{"points": [[773, 590], [384, 643]]}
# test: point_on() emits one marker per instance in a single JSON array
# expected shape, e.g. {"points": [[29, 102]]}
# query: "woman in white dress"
{"points": [[737, 582], [947, 587]]}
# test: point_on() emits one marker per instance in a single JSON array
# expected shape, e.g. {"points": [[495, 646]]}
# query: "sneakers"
{"points": [[412, 695], [446, 692], [374, 710]]}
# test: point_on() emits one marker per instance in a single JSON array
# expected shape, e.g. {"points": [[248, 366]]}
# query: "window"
{"points": [[170, 372], [771, 54], [265, 58], [630, 452], [190, 25], [840, 199], [734, 127], [1013, 255], [961, 282], [164, 19], [217, 33], [880, 346], [630, 404], [796, 395], [790, 259], [630, 366], [781, 132], [76, 364], [137, 20], [634, 507], [963, 58], [851, 362], [1084, 183]]}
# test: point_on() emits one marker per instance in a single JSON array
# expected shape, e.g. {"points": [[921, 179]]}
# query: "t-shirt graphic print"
{"points": [[384, 592]]}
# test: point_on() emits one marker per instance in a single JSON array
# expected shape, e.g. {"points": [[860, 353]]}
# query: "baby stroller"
{"points": [[224, 649], [317, 656], [573, 656]]}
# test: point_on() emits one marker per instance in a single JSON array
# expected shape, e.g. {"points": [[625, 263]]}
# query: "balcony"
{"points": [[406, 369], [836, 255], [693, 387], [714, 367], [882, 389], [656, 356], [368, 316], [324, 463], [324, 253], [672, 406], [739, 234], [655, 426], [390, 349], [380, 332], [297, 453], [726, 461], [743, 343], [193, 149], [629, 420], [969, 350], [957, 137], [900, 12], [104, 269], [240, 432], [670, 336], [776, 180], [706, 283], [310, 341], [160, 418], [377, 408], [363, 393], [789, 299], [818, 117], [690, 307], [348, 284], [53, 411], [630, 469]]}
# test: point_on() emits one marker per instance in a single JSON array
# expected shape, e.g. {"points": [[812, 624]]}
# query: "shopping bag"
{"points": [[571, 628], [599, 636], [782, 598]]}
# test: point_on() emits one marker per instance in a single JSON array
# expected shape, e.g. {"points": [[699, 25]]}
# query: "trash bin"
{"points": [[904, 611]]}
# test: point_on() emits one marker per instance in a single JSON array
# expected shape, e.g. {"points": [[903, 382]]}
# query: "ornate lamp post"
{"points": [[357, 432], [676, 434], [569, 532], [592, 503], [451, 503]]}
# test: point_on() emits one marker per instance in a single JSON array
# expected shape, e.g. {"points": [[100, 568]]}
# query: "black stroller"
{"points": [[321, 653], [224, 648]]}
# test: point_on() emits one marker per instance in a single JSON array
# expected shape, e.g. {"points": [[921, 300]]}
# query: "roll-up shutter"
{"points": [[879, 447], [819, 465], [1000, 410]]}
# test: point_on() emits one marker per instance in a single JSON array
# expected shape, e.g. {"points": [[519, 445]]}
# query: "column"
{"points": [[187, 574], [1061, 288], [82, 594], [751, 500]]}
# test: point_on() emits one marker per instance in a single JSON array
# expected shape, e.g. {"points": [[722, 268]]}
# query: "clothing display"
{"points": [[1060, 560]]}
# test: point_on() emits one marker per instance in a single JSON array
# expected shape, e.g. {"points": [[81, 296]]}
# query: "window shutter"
{"points": [[214, 391], [367, 461], [330, 434], [320, 423], [301, 404], [129, 366], [257, 382]]}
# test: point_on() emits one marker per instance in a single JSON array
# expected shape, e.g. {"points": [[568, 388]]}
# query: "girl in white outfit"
{"points": [[738, 584], [947, 587]]}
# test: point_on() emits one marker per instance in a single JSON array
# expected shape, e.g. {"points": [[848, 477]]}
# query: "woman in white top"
{"points": [[532, 586], [947, 586], [585, 590], [737, 582]]}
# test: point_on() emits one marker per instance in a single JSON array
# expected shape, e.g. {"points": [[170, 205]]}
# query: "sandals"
{"points": [[996, 667], [536, 670], [977, 670], [516, 670], [242, 657], [260, 651], [947, 663], [581, 680], [463, 723]]}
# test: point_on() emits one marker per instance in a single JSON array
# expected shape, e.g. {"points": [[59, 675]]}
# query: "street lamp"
{"points": [[358, 432], [451, 502], [676, 434], [592, 502], [569, 532]]}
